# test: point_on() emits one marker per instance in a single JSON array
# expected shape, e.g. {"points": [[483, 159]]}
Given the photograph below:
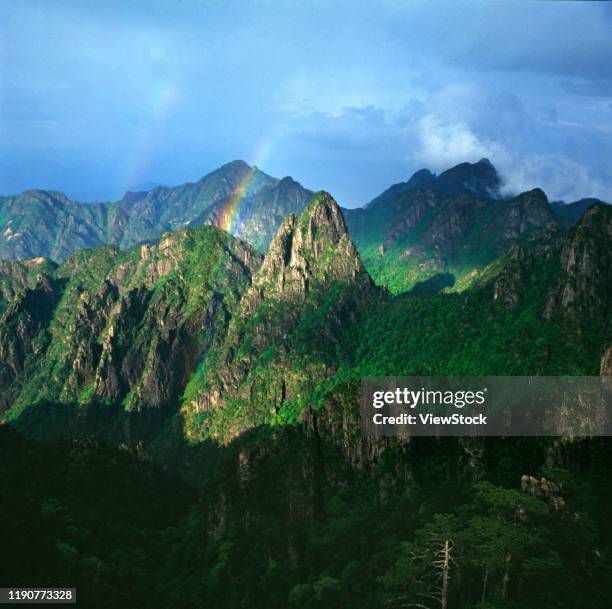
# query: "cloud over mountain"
{"points": [[348, 105]]}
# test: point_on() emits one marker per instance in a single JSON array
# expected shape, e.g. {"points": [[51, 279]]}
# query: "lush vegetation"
{"points": [[270, 497], [81, 514]]}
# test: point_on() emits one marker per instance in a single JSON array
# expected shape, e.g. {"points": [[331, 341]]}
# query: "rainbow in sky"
{"points": [[161, 106], [230, 213]]}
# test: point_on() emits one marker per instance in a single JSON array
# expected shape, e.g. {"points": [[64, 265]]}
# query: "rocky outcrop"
{"points": [[307, 253], [309, 288], [81, 351], [542, 488], [458, 224], [606, 363], [526, 213], [509, 284], [16, 276], [124, 328], [26, 317], [584, 289], [519, 264]]}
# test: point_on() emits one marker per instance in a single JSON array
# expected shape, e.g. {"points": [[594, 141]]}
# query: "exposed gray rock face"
{"points": [[25, 318], [606, 363], [529, 211], [16, 276], [123, 329], [585, 285], [511, 282], [311, 260], [543, 489], [583, 291], [307, 252], [455, 225]]}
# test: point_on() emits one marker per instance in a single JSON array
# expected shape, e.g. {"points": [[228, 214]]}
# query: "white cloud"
{"points": [[560, 177], [442, 144]]}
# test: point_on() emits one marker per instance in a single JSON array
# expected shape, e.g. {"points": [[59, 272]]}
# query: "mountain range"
{"points": [[452, 224], [47, 223], [133, 328], [180, 408]]}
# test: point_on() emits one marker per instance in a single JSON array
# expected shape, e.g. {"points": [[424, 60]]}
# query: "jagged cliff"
{"points": [[18, 275], [580, 269], [22, 328], [420, 233], [122, 328], [287, 329], [584, 289]]}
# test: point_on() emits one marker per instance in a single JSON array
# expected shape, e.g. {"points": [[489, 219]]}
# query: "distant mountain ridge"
{"points": [[479, 179], [568, 214], [452, 224], [49, 224], [435, 232]]}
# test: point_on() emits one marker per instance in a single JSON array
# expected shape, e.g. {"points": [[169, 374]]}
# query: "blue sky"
{"points": [[100, 96]]}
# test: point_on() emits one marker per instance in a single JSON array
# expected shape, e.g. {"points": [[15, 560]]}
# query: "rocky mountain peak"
{"points": [[311, 260], [236, 165], [308, 253], [534, 203], [585, 289], [288, 187], [323, 215], [536, 194], [315, 246], [477, 179], [527, 212], [423, 178]]}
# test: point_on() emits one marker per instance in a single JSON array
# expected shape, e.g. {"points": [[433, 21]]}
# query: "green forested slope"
{"points": [[240, 378]]}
